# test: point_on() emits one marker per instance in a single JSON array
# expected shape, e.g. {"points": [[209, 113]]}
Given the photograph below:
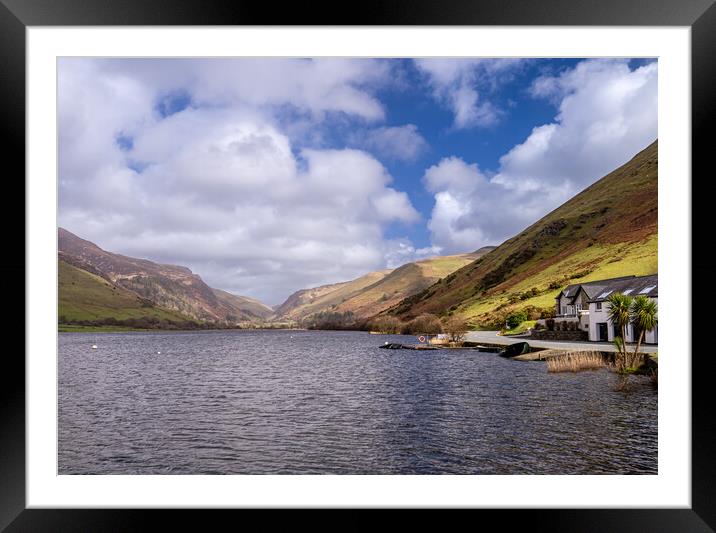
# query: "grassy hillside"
{"points": [[86, 296], [607, 230], [374, 292]]}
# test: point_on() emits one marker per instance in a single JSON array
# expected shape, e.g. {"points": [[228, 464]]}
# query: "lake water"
{"points": [[310, 402]]}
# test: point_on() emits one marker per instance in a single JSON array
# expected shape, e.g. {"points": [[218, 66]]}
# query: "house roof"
{"points": [[600, 290]]}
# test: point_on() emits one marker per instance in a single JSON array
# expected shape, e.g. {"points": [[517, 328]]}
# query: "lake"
{"points": [[317, 402]]}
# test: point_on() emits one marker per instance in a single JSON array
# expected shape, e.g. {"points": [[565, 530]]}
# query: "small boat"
{"points": [[513, 350], [489, 349]]}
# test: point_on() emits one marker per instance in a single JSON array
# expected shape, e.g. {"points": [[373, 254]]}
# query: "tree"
{"points": [[424, 324], [386, 324], [643, 314], [619, 314], [456, 328]]}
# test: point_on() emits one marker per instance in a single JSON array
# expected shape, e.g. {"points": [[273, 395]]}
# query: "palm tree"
{"points": [[644, 317], [619, 305]]}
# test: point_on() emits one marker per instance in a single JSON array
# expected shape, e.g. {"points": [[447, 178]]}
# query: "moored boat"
{"points": [[513, 350]]}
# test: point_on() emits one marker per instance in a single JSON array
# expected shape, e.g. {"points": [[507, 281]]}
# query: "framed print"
{"points": [[405, 260]]}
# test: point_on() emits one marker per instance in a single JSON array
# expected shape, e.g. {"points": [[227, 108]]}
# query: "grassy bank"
{"points": [[522, 328]]}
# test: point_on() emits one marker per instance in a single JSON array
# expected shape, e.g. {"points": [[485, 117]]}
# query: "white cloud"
{"points": [[221, 188], [461, 191], [461, 85], [318, 85], [606, 114]]}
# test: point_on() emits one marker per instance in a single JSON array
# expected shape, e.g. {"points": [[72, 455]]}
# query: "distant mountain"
{"points": [[247, 308], [370, 294], [607, 230], [173, 288]]}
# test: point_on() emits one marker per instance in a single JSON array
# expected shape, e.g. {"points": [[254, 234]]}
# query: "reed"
{"points": [[576, 362], [654, 377]]}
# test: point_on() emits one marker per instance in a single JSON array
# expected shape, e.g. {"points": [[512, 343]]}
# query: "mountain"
{"points": [[308, 301], [374, 292], [245, 308], [86, 296], [607, 230], [173, 288]]}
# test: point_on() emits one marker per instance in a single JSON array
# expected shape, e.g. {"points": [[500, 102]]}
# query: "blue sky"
{"points": [[266, 176]]}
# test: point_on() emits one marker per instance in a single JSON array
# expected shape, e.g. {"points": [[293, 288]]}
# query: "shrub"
{"points": [[533, 313], [547, 313], [550, 324], [515, 319], [580, 274], [456, 328]]}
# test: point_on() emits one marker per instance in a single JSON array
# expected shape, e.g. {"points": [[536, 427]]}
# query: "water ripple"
{"points": [[279, 402]]}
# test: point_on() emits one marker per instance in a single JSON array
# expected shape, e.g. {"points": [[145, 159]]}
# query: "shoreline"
{"points": [[72, 328]]}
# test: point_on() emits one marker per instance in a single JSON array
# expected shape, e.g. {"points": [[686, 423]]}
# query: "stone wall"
{"points": [[546, 335]]}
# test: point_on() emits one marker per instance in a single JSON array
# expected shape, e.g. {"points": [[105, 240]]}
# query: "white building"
{"points": [[587, 304]]}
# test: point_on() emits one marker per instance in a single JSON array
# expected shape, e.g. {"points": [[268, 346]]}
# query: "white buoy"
{"points": [[159, 353], [94, 346], [386, 342]]}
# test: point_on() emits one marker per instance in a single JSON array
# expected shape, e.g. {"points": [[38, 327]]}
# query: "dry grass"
{"points": [[654, 377], [576, 362]]}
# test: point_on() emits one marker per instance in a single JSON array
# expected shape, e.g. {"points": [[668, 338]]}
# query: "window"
{"points": [[599, 306], [628, 291], [647, 290], [605, 294]]}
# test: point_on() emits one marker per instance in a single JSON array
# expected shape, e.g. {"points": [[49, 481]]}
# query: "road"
{"points": [[491, 337]]}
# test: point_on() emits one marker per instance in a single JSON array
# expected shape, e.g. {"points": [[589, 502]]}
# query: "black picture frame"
{"points": [[17, 15]]}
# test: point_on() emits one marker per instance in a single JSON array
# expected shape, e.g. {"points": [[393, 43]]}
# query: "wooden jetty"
{"points": [[399, 346]]}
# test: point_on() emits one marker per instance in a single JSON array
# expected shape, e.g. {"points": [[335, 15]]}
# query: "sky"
{"points": [[269, 175]]}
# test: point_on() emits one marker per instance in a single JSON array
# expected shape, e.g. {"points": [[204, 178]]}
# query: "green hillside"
{"points": [[607, 230], [84, 296]]}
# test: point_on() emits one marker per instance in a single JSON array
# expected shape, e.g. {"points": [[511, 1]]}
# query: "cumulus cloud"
{"points": [[318, 85], [209, 180], [461, 85], [607, 112]]}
